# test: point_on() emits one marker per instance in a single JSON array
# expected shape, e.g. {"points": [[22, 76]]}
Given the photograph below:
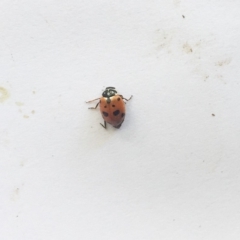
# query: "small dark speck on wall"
{"points": [[183, 16], [213, 114]]}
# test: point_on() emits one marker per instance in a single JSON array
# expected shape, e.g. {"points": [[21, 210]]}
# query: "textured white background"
{"points": [[171, 172]]}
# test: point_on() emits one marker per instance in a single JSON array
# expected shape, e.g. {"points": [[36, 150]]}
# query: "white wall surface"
{"points": [[171, 172]]}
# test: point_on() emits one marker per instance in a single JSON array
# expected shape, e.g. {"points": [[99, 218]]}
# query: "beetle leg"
{"points": [[92, 100], [105, 125], [125, 98], [94, 107]]}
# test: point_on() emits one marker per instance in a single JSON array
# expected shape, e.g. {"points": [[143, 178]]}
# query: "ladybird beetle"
{"points": [[112, 107]]}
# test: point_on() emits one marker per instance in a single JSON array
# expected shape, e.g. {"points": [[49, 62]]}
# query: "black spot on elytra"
{"points": [[100, 101], [118, 126], [105, 114], [113, 105], [105, 106], [115, 113], [118, 99], [123, 114]]}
